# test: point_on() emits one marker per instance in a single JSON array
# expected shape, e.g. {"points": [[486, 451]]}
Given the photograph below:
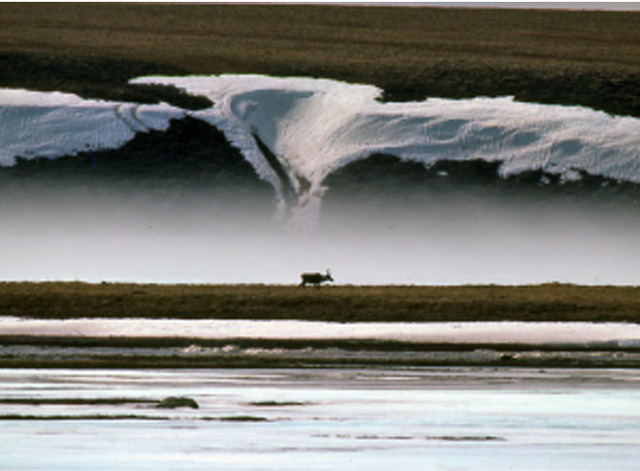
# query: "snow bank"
{"points": [[316, 126], [445, 332], [53, 124]]}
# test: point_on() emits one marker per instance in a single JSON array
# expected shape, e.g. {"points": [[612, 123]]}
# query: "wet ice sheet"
{"points": [[455, 332], [433, 419]]}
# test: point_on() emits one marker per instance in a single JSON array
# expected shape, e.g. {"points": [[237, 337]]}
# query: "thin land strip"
{"points": [[74, 401], [331, 358], [589, 58], [200, 346], [535, 303], [118, 417]]}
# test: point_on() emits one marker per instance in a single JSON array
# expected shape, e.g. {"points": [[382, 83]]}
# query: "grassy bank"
{"points": [[550, 302], [589, 58]]}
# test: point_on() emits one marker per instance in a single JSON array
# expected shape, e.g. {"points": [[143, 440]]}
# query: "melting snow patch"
{"points": [[445, 332], [53, 124]]}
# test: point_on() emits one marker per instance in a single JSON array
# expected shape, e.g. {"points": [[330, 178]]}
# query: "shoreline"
{"points": [[234, 357], [106, 326], [97, 343], [79, 325]]}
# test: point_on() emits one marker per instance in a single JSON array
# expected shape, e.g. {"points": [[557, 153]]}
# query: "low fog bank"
{"points": [[451, 240], [461, 240]]}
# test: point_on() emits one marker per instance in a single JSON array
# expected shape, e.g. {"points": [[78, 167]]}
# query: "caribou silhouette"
{"points": [[315, 279]]}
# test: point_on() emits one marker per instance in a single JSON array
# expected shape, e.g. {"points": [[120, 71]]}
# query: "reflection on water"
{"points": [[409, 419]]}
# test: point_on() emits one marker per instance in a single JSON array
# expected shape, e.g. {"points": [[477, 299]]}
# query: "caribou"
{"points": [[315, 279]]}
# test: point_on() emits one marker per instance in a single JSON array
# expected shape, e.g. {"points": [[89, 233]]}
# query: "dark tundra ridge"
{"points": [[192, 162], [588, 58], [91, 76]]}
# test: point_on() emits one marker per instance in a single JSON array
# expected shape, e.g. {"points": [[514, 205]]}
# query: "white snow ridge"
{"points": [[315, 126], [54, 124]]}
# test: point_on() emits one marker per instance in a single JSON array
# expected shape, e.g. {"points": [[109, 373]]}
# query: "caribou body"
{"points": [[315, 279]]}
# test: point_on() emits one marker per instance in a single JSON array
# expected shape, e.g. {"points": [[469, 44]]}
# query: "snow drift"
{"points": [[316, 126], [54, 124], [311, 127]]}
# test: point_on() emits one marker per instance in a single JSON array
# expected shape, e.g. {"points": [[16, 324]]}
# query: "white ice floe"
{"points": [[54, 124], [315, 126], [446, 332]]}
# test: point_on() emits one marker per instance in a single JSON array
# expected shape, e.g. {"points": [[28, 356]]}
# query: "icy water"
{"points": [[303, 419]]}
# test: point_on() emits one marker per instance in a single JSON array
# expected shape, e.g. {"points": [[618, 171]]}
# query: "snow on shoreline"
{"points": [[529, 333]]}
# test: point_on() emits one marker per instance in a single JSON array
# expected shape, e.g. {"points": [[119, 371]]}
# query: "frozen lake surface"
{"points": [[356, 419]]}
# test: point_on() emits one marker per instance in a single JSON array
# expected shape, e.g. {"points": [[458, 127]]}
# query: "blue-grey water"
{"points": [[405, 419]]}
